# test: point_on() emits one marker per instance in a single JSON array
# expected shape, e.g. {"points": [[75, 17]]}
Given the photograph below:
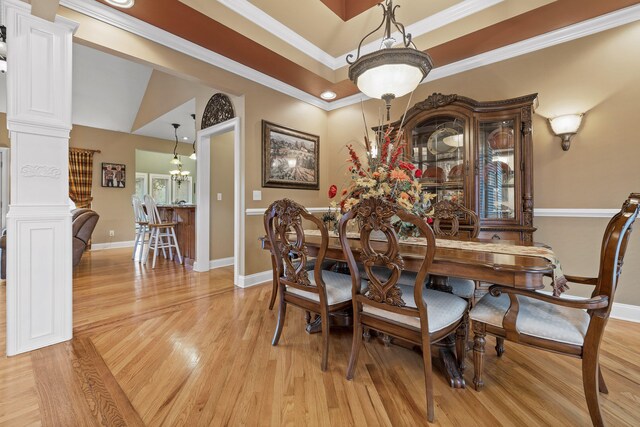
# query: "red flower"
{"points": [[406, 166], [429, 220], [418, 173], [333, 190]]}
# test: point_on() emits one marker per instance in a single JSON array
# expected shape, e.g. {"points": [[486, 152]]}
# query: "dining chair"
{"points": [[142, 227], [568, 326], [162, 233], [316, 291], [413, 313], [452, 220]]}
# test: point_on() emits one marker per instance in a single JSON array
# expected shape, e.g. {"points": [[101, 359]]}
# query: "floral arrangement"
{"points": [[386, 175]]}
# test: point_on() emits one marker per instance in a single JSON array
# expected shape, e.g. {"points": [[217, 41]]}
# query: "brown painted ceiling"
{"points": [[238, 38]]}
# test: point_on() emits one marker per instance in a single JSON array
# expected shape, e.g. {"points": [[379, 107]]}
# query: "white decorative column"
{"points": [[39, 275]]}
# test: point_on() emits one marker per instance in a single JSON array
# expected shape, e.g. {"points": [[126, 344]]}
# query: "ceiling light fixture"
{"points": [[175, 160], [193, 155], [124, 4], [328, 95], [565, 127], [389, 72]]}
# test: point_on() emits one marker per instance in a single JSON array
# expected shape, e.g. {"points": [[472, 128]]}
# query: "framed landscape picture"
{"points": [[290, 158], [113, 175]]}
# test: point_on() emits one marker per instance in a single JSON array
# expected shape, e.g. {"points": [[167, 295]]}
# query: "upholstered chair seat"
{"points": [[464, 288], [443, 309], [571, 326], [536, 318], [338, 288]]}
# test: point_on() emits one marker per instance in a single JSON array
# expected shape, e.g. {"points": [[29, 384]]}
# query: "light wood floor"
{"points": [[172, 347]]}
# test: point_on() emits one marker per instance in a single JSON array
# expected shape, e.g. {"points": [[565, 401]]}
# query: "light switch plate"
{"points": [[257, 195], [219, 196]]}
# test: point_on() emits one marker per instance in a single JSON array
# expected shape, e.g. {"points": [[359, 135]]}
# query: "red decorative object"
{"points": [[418, 173], [333, 190]]}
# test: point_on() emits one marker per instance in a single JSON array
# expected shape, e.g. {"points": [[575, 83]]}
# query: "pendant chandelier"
{"points": [[390, 72], [177, 175]]}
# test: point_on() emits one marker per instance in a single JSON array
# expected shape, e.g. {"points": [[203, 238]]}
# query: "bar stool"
{"points": [[163, 234], [142, 227]]}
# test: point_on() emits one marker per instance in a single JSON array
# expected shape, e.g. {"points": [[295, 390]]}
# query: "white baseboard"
{"points": [[255, 279], [220, 262], [111, 245], [628, 312]]}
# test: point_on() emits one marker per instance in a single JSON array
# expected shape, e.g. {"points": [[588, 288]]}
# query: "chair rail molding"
{"points": [[39, 247], [575, 212]]}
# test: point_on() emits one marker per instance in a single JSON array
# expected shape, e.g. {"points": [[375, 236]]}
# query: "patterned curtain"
{"points": [[80, 176]]}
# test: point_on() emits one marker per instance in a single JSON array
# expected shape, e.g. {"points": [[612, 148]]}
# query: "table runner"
{"points": [[559, 281]]}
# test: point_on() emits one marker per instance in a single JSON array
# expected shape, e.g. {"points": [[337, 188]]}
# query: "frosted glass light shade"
{"points": [[175, 161], [393, 71], [395, 79], [567, 124], [174, 172], [193, 156]]}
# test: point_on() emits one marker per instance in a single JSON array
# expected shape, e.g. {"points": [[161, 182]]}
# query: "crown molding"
{"points": [[267, 22], [140, 28], [572, 32], [128, 23], [262, 19], [426, 25]]}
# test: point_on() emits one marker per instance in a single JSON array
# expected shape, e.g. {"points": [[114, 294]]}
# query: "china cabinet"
{"points": [[478, 154]]}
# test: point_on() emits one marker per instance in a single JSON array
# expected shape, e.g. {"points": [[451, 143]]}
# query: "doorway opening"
{"points": [[221, 201]]}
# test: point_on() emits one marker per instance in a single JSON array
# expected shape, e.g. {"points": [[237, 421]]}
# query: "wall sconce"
{"points": [[565, 127]]}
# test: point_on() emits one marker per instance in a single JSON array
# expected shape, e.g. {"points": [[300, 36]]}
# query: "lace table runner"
{"points": [[559, 281]]}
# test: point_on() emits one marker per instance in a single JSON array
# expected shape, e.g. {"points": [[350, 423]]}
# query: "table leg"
{"points": [[338, 318], [449, 361]]}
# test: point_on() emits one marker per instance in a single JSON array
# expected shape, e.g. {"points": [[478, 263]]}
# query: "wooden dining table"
{"points": [[520, 271]]}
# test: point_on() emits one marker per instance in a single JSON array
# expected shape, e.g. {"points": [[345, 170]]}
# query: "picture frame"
{"points": [[290, 158], [114, 175]]}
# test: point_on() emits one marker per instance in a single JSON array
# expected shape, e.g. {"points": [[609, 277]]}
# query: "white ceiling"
{"points": [[107, 93], [107, 90], [161, 127]]}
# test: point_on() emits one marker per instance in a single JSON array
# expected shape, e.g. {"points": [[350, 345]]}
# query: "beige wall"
{"points": [[597, 75], [114, 204], [221, 211]]}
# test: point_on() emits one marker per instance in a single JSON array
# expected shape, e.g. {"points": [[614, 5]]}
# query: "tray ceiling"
{"points": [[303, 43]]}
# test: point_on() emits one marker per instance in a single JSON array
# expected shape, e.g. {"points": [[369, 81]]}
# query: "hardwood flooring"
{"points": [[173, 347]]}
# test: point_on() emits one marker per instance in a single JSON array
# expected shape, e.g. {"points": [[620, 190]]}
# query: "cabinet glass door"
{"points": [[437, 149], [496, 166]]}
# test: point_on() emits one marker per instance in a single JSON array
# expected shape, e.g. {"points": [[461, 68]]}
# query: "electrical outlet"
{"points": [[112, 233], [257, 195]]}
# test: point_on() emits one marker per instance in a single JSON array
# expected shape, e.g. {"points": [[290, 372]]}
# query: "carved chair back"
{"points": [[283, 223], [452, 219], [138, 210], [375, 215], [152, 209], [614, 247]]}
